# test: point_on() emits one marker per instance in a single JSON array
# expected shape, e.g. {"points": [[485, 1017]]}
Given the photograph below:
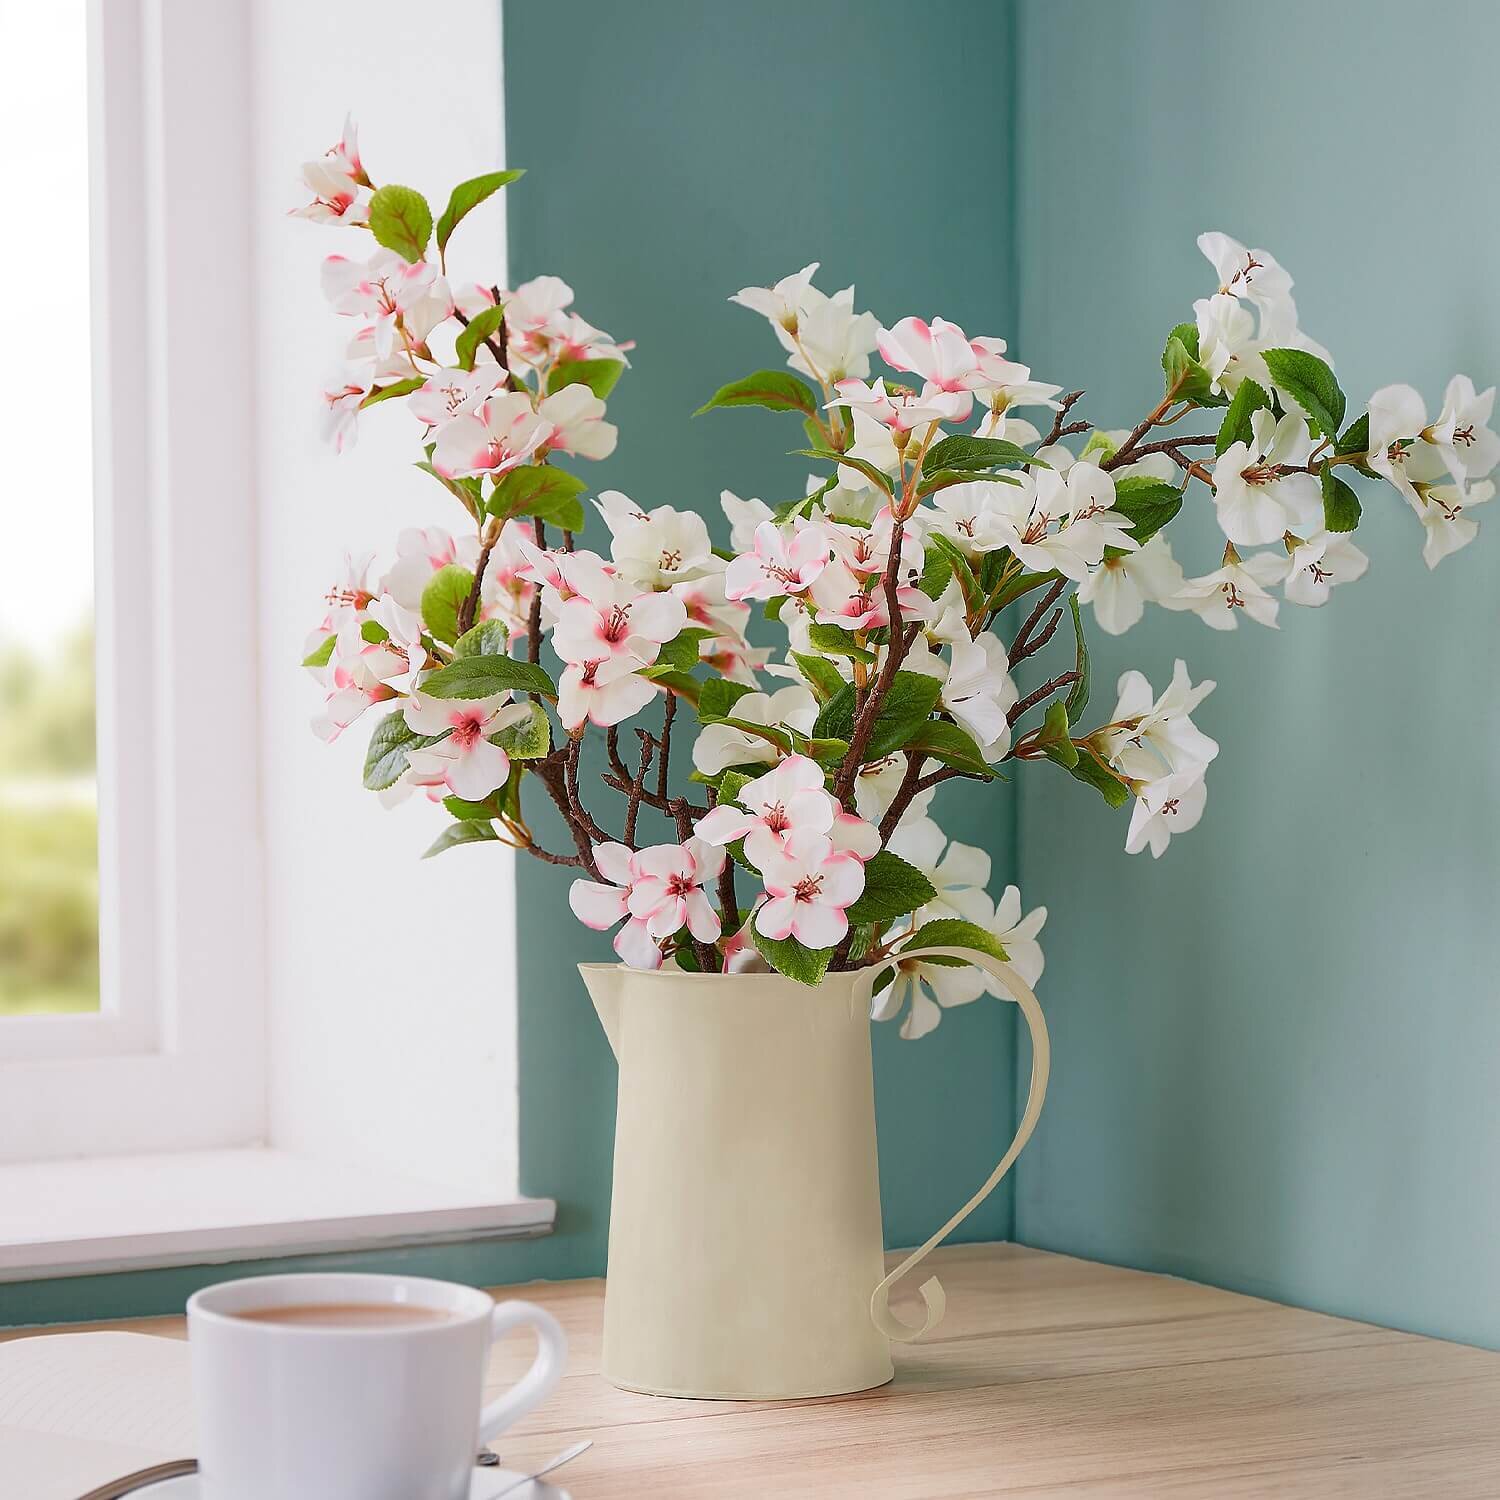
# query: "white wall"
{"points": [[392, 988]]}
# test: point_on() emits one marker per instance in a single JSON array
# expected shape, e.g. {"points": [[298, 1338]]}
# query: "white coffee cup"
{"points": [[375, 1410]]}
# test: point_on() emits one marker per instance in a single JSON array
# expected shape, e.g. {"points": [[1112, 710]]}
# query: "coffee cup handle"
{"points": [[540, 1380]]}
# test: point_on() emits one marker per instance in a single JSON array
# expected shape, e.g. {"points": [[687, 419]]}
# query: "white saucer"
{"points": [[486, 1483]]}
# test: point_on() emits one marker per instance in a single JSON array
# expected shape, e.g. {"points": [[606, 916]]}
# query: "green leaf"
{"points": [[954, 932], [488, 638], [467, 832], [1101, 443], [680, 654], [718, 697], [396, 388], [892, 888], [541, 490], [960, 566], [878, 477], [445, 595], [1186, 334], [1110, 787], [771, 388], [469, 812], [1311, 384], [1356, 439], [945, 479], [952, 745], [773, 734], [822, 676], [466, 490], [936, 571], [912, 697], [481, 326], [1078, 695], [599, 375], [1149, 503], [321, 657], [1053, 741], [1340, 503], [1186, 379], [469, 195], [530, 739], [1235, 428], [788, 956], [731, 783], [837, 641], [401, 221], [484, 676], [373, 632], [962, 451], [835, 719], [385, 760]]}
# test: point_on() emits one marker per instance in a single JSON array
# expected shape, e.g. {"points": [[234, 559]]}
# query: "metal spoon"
{"points": [[556, 1462]]}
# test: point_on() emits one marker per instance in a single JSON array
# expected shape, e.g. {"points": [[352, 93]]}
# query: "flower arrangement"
{"points": [[943, 543]]}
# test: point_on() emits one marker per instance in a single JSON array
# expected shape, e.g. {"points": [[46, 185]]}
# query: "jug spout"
{"points": [[605, 984]]}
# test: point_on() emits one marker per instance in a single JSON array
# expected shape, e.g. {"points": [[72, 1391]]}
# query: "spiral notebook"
{"points": [[79, 1409]]}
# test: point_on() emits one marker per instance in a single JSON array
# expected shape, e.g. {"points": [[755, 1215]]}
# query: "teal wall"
{"points": [[703, 148], [1276, 1048], [678, 151]]}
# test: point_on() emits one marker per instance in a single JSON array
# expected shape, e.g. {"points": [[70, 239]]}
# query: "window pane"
{"points": [[49, 905]]}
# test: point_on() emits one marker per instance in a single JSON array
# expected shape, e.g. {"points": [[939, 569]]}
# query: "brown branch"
{"points": [[650, 799], [470, 606], [1166, 445], [534, 618], [1045, 691], [1058, 429], [905, 793], [1126, 452], [550, 770], [664, 763], [1021, 648], [551, 858], [946, 773], [570, 785], [729, 902], [637, 786]]}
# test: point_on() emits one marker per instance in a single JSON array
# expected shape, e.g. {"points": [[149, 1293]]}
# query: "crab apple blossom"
{"points": [[769, 810], [958, 872], [470, 764], [343, 396], [450, 394], [336, 196], [781, 303], [832, 342], [1018, 936], [1252, 275], [1064, 522], [873, 444], [809, 886], [1220, 597], [1155, 736], [780, 563], [667, 889], [1172, 805], [924, 989], [876, 786], [896, 408], [1462, 430], [708, 606], [979, 693], [1446, 526], [1255, 501], [940, 352], [977, 517], [575, 423], [614, 618], [720, 746], [1120, 587], [534, 315], [419, 554], [1318, 565], [381, 289], [660, 548], [493, 439], [397, 657], [603, 690], [744, 516], [601, 904]]}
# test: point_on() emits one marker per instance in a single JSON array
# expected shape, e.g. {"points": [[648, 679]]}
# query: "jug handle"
{"points": [[1018, 990]]}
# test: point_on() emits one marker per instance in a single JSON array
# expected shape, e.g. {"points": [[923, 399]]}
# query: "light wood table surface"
{"points": [[1049, 1376]]}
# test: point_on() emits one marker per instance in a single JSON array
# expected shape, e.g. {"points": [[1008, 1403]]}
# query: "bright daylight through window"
{"points": [[49, 903]]}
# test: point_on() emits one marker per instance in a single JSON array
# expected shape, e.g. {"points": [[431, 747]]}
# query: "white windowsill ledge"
{"points": [[125, 1213]]}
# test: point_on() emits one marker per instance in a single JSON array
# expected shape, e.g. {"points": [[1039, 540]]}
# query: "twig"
{"points": [[550, 857], [534, 617], [664, 763], [1022, 647], [570, 784], [1166, 445], [1045, 691], [637, 785], [945, 773], [905, 793], [470, 607], [1058, 429], [551, 772], [1125, 453]]}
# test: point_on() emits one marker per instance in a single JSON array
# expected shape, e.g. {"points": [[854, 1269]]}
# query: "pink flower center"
{"points": [[679, 886], [775, 818], [614, 625], [809, 888], [466, 731]]}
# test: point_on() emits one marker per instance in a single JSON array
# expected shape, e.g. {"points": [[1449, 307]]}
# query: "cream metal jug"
{"points": [[745, 1249]]}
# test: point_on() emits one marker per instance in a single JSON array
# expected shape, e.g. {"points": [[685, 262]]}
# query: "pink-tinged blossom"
{"points": [[667, 890], [575, 423], [781, 562], [466, 759], [381, 289], [398, 659], [343, 395], [496, 438], [351, 593], [575, 339], [454, 393], [767, 811], [613, 618], [335, 181], [734, 659], [1172, 805], [809, 884], [781, 303], [940, 352], [535, 315], [720, 746], [600, 904], [507, 591], [603, 690], [898, 409], [419, 554]]}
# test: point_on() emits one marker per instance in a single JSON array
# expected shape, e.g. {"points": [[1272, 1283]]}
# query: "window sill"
{"points": [[70, 1218]]}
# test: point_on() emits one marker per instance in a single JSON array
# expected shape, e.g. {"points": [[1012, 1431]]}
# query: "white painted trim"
{"points": [[176, 1057], [210, 1207]]}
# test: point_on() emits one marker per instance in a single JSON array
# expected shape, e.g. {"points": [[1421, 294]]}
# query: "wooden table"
{"points": [[1049, 1376]]}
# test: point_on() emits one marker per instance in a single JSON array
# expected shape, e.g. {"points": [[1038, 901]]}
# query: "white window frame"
{"points": [[176, 1055]]}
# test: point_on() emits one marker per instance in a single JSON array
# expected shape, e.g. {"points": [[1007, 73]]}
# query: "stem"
{"points": [[1024, 646], [534, 617], [637, 785], [1058, 429], [1045, 691], [905, 795], [470, 606], [664, 764], [1125, 453]]}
